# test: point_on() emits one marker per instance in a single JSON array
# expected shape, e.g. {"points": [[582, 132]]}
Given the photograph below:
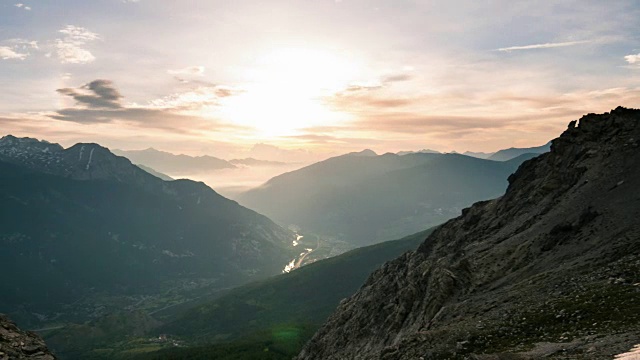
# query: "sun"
{"points": [[285, 89]]}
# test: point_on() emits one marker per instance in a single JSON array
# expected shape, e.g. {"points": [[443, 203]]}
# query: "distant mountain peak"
{"points": [[423, 151], [365, 152], [510, 153], [82, 161], [476, 154], [26, 143]]}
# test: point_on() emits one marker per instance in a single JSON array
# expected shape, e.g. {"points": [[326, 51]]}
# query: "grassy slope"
{"points": [[307, 295]]}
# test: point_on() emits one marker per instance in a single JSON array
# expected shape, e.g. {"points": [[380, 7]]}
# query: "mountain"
{"points": [[16, 344], [423, 151], [479, 155], [549, 270], [274, 153], [364, 198], [155, 173], [256, 162], [508, 154], [85, 232], [174, 164], [363, 153]]}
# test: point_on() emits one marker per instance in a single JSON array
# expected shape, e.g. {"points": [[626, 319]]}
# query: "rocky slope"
{"points": [[17, 344], [550, 269]]}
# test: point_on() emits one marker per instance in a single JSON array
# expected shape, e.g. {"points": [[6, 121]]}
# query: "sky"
{"points": [[314, 77]]}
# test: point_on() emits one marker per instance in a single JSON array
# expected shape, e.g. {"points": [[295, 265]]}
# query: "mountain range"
{"points": [[167, 162], [83, 226], [364, 198], [549, 270], [508, 154], [500, 155]]}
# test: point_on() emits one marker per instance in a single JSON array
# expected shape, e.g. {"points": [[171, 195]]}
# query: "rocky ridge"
{"points": [[18, 344], [83, 161], [551, 269]]}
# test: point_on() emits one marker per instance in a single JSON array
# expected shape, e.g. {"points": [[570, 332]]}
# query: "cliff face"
{"points": [[17, 344], [552, 268]]}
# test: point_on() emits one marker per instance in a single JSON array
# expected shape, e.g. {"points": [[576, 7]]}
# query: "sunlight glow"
{"points": [[285, 89]]}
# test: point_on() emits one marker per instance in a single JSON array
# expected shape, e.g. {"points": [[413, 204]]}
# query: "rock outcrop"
{"points": [[17, 344], [550, 269]]}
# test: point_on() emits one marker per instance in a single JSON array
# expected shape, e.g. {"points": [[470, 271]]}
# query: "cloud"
{"points": [[190, 70], [96, 94], [363, 86], [70, 53], [141, 117], [7, 53], [323, 139], [70, 49], [194, 99], [633, 59], [360, 97], [543, 46], [481, 120], [23, 6], [397, 78], [383, 81], [79, 33], [23, 43], [356, 100], [100, 102]]}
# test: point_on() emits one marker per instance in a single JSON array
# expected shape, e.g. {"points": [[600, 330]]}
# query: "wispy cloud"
{"points": [[399, 77], [70, 49], [190, 70], [77, 33], [24, 43], [194, 99], [7, 53], [544, 46], [23, 6], [478, 120]]}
